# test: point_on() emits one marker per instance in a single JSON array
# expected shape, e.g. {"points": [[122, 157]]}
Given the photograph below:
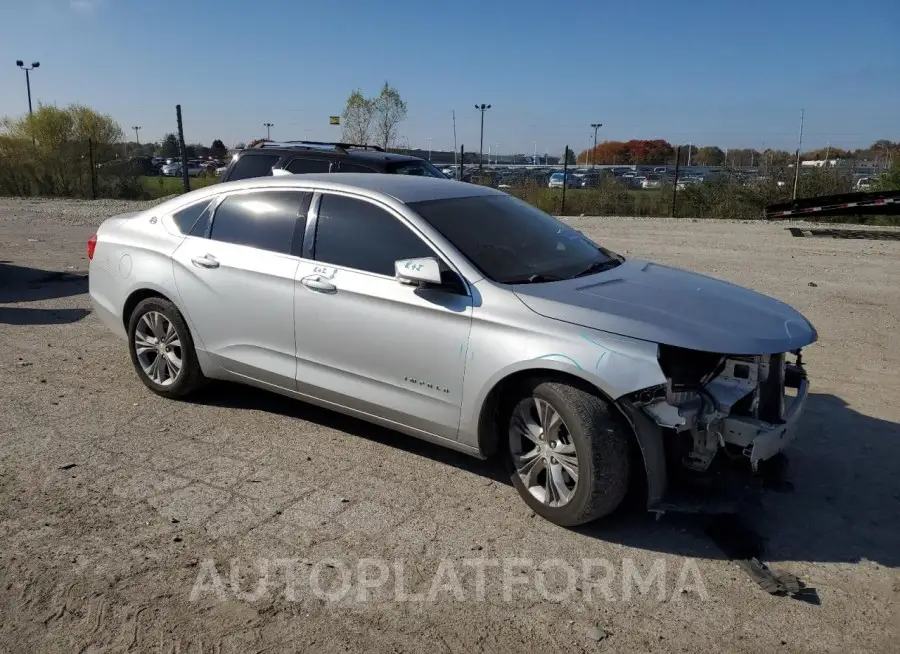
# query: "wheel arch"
{"points": [[139, 295], [647, 441]]}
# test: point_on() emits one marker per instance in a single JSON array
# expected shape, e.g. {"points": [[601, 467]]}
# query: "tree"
{"points": [[169, 146], [357, 118], [53, 127], [708, 155], [389, 111], [46, 153], [218, 149]]}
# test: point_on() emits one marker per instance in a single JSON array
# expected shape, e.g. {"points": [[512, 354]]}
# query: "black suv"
{"points": [[300, 157]]}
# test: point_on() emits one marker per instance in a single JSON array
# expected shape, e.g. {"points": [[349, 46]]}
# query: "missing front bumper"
{"points": [[761, 440]]}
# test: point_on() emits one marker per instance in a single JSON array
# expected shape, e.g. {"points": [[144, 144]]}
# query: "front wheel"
{"points": [[568, 453], [162, 349]]}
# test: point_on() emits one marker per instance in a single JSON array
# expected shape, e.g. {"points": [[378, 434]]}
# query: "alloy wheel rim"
{"points": [[543, 452], [158, 348]]}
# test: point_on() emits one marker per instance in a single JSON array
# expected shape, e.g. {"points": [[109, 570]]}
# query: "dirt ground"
{"points": [[129, 522]]}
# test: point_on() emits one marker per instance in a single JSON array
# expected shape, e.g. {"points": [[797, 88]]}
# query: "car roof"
{"points": [[351, 154], [404, 188]]}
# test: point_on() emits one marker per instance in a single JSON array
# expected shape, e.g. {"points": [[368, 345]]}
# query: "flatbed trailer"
{"points": [[874, 203]]}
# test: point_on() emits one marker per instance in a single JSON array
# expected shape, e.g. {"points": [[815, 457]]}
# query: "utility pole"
{"points": [[482, 108], [454, 136], [797, 162], [268, 127], [136, 128], [28, 69], [690, 147], [595, 127]]}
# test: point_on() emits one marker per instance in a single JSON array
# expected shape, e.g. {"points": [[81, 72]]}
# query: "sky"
{"points": [[733, 73]]}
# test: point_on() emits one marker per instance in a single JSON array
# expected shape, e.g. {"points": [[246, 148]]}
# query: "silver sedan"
{"points": [[457, 314]]}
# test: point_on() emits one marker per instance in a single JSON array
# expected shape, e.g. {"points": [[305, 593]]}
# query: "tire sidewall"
{"points": [[188, 357], [571, 513]]}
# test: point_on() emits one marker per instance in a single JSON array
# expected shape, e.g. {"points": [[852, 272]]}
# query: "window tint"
{"points": [[360, 235], [416, 167], [187, 217], [355, 168], [300, 166], [265, 220], [253, 165], [511, 241]]}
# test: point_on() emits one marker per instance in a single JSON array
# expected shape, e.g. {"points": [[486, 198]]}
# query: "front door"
{"points": [[237, 284], [368, 342]]}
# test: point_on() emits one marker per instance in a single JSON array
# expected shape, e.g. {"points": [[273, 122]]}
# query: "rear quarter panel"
{"points": [[133, 253]]}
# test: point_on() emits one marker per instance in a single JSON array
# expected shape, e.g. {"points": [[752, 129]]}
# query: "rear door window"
{"points": [[355, 168], [253, 165], [266, 220], [302, 166]]}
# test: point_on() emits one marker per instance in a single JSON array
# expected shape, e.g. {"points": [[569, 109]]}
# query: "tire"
{"points": [[601, 440], [141, 326]]}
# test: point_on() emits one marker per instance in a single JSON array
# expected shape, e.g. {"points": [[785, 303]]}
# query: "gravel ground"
{"points": [[113, 501]]}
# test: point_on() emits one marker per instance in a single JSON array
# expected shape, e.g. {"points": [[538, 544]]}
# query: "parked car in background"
{"points": [[303, 157], [461, 315], [558, 179], [652, 181]]}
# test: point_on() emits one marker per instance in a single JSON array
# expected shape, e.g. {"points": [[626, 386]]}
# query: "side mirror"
{"points": [[417, 271]]}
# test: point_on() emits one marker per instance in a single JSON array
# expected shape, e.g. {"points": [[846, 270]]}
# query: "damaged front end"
{"points": [[746, 407]]}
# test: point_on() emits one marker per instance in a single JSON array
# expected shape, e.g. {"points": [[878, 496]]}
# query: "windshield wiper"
{"points": [[534, 279], [598, 266]]}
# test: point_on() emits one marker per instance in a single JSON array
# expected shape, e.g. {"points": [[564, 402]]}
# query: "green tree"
{"points": [[218, 149], [356, 119], [890, 181], [708, 155], [169, 146], [390, 111]]}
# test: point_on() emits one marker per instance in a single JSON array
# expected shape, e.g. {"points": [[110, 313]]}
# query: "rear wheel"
{"points": [[162, 349], [568, 453]]}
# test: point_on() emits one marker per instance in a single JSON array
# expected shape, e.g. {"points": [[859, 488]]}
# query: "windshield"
{"points": [[512, 242], [415, 167]]}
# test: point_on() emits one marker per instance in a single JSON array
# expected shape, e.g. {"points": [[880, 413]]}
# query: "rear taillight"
{"points": [[92, 245]]}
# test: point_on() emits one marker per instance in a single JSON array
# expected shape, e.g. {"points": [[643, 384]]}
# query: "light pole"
{"points": [[482, 108], [137, 128], [596, 127], [28, 69], [429, 148], [268, 127]]}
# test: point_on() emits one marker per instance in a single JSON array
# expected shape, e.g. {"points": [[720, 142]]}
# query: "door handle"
{"points": [[316, 283], [206, 261]]}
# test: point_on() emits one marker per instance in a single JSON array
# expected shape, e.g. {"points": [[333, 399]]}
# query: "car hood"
{"points": [[673, 307]]}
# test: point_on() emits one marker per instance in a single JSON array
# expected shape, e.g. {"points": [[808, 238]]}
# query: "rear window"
{"points": [[416, 167], [253, 165]]}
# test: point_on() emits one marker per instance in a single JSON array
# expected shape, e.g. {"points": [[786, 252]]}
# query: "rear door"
{"points": [[236, 282]]}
